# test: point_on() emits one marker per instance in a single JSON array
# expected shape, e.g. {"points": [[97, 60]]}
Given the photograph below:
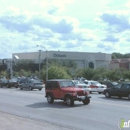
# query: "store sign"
{"points": [[59, 55]]}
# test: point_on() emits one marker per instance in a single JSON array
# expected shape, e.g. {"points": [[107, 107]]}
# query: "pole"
{"points": [[46, 66], [46, 61], [39, 62], [11, 69]]}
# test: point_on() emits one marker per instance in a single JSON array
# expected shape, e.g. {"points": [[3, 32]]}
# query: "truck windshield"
{"points": [[66, 84]]}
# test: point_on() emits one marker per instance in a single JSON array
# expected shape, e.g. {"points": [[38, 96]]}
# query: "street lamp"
{"points": [[11, 65], [40, 61]]}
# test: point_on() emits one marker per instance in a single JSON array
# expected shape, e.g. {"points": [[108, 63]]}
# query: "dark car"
{"points": [[111, 84], [64, 89], [120, 90], [8, 83]]}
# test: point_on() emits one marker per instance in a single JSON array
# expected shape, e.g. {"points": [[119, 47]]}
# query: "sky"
{"points": [[64, 25]]}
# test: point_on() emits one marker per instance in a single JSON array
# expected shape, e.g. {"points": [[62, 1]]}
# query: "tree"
{"points": [[55, 72], [25, 65]]}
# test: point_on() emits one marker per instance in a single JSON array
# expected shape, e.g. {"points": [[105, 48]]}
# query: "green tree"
{"points": [[55, 72], [24, 64]]}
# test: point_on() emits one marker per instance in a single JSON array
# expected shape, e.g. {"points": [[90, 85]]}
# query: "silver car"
{"points": [[81, 84], [32, 84]]}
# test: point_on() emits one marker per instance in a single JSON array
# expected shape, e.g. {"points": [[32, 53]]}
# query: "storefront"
{"points": [[83, 59]]}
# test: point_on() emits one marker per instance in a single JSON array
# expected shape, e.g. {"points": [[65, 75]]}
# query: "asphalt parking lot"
{"points": [[31, 107]]}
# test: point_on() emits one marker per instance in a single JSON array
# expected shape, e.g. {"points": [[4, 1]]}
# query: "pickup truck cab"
{"points": [[64, 89]]}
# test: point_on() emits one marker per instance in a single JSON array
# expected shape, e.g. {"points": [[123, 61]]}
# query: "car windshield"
{"points": [[114, 83], [66, 83], [95, 83], [78, 82], [118, 86]]}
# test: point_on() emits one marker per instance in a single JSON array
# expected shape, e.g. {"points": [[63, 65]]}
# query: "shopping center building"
{"points": [[83, 59]]}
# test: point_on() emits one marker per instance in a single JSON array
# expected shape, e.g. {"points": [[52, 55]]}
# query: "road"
{"points": [[100, 114]]}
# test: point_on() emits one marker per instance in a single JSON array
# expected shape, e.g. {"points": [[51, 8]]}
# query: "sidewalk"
{"points": [[12, 122]]}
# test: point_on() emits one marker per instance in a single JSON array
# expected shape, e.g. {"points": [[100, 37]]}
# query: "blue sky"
{"points": [[69, 25]]}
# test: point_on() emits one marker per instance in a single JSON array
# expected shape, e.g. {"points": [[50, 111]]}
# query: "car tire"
{"points": [[30, 88], [107, 94], [8, 86], [129, 96], [21, 88], [50, 99], [86, 102], [69, 101], [120, 97]]}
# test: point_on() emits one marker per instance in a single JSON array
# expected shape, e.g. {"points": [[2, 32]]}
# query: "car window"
{"points": [[66, 83], [55, 84], [48, 86], [125, 86], [118, 86]]}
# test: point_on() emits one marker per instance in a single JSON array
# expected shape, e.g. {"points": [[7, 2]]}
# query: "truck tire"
{"points": [[50, 98], [86, 102], [69, 101]]}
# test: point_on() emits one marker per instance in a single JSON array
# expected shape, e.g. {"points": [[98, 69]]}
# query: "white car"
{"points": [[95, 86], [80, 84]]}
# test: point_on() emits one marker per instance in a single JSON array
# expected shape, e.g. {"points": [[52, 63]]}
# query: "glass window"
{"points": [[55, 84], [118, 86], [125, 86], [91, 65], [48, 85], [66, 83]]}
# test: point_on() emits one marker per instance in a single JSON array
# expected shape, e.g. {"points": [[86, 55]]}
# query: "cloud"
{"points": [[106, 47], [110, 38], [116, 20]]}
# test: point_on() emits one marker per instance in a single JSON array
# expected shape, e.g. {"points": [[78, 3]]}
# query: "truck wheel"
{"points": [[69, 101], [50, 99], [86, 102]]}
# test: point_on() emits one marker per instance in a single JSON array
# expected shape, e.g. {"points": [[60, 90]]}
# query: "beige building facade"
{"points": [[83, 59]]}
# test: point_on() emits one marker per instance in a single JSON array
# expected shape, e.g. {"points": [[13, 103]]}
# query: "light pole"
{"points": [[39, 62], [11, 65], [46, 61]]}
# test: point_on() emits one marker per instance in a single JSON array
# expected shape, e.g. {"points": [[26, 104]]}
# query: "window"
{"points": [[66, 83], [48, 86], [55, 84], [125, 86], [91, 65]]}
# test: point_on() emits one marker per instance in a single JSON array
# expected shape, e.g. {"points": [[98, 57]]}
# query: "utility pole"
{"points": [[39, 63]]}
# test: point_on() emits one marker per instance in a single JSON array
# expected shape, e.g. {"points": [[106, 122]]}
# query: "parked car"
{"points": [[121, 90], [81, 84], [95, 86], [111, 84], [64, 89], [8, 83], [21, 80], [31, 84]]}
